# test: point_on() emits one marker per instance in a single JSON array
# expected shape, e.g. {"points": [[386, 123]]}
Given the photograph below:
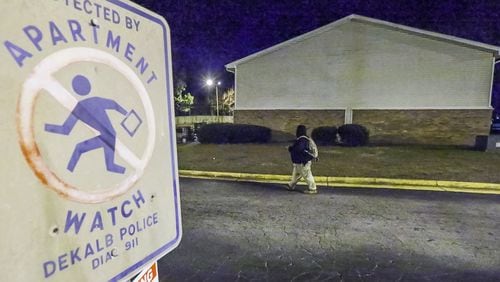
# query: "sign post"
{"points": [[89, 166]]}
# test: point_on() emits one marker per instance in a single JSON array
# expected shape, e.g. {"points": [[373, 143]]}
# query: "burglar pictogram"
{"points": [[91, 111]]}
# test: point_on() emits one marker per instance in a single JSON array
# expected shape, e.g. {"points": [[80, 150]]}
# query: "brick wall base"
{"points": [[439, 127], [442, 127], [283, 123]]}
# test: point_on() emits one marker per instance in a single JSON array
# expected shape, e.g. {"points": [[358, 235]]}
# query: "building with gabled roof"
{"points": [[406, 85]]}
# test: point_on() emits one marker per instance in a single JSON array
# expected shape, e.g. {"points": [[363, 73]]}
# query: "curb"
{"points": [[349, 182]]}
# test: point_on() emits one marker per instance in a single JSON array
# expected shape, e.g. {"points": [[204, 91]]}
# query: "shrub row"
{"points": [[220, 133], [353, 135], [349, 135], [324, 135]]}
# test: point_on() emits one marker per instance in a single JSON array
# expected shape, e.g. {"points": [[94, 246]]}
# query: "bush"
{"points": [[324, 135], [220, 133], [353, 135]]}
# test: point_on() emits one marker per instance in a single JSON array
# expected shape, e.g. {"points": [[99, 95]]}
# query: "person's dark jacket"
{"points": [[298, 151]]}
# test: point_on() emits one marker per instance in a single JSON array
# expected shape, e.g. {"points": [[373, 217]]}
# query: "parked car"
{"points": [[186, 134], [495, 123], [183, 134], [495, 127]]}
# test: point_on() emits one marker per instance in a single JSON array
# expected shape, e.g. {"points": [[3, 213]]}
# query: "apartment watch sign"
{"points": [[89, 152]]}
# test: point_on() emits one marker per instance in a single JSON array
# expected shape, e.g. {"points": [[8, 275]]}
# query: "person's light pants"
{"points": [[303, 171]]}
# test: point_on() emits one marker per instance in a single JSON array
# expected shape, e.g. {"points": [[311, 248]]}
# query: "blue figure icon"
{"points": [[91, 111]]}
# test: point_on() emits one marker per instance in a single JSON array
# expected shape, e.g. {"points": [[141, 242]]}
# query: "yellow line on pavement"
{"points": [[348, 182]]}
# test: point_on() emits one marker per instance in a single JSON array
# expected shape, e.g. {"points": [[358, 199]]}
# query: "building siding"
{"points": [[358, 65]]}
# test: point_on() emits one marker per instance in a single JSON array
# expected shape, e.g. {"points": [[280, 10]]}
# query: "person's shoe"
{"points": [[289, 188], [308, 191]]}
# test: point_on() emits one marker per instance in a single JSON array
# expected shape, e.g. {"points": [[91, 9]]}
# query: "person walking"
{"points": [[302, 153]]}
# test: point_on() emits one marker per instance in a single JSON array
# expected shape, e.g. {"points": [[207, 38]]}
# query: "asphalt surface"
{"points": [[261, 232]]}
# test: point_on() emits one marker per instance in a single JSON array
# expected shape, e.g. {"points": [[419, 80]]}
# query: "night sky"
{"points": [[207, 34]]}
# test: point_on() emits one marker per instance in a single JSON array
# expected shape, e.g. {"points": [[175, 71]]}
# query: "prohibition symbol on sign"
{"points": [[42, 78]]}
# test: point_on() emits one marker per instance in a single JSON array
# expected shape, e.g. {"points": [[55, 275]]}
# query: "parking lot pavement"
{"points": [[261, 232]]}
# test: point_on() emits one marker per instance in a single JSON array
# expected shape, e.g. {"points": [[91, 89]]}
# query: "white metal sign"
{"points": [[88, 153]]}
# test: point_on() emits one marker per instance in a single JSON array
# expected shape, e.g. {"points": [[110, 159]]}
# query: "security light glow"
{"points": [[210, 82]]}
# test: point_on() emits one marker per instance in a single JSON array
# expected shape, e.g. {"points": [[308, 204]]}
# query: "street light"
{"points": [[209, 83]]}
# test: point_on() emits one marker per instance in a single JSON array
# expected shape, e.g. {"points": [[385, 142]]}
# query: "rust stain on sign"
{"points": [[31, 154], [30, 151]]}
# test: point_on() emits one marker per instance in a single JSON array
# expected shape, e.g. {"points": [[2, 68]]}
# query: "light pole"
{"points": [[209, 83]]}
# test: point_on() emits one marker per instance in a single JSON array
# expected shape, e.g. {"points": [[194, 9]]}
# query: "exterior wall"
{"points": [[283, 123], [412, 89], [448, 127], [359, 65]]}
